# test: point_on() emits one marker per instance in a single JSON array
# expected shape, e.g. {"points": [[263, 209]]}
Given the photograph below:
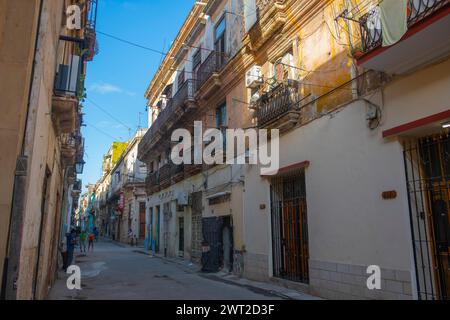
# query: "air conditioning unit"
{"points": [[254, 77], [68, 76]]}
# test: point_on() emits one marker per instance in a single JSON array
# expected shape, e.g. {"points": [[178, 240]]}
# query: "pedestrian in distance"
{"points": [[63, 250], [71, 239], [91, 241], [96, 234], [130, 236], [83, 236]]}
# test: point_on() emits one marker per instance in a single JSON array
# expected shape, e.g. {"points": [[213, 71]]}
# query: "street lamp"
{"points": [[79, 166]]}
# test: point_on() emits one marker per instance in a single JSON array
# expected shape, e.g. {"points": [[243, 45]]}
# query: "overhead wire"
{"points": [[102, 132], [107, 113]]}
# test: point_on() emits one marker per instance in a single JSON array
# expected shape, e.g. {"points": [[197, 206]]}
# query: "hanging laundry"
{"points": [[394, 20]]}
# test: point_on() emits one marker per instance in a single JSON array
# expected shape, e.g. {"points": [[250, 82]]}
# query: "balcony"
{"points": [[89, 31], [165, 176], [177, 173], [427, 37], [271, 17], [68, 149], [77, 188], [279, 108], [183, 102], [168, 175], [152, 183], [65, 95], [208, 79]]}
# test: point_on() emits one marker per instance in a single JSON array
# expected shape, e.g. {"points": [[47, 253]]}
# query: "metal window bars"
{"points": [[290, 251], [427, 166]]}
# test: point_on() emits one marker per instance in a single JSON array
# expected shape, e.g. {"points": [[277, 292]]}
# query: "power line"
{"points": [[132, 43], [109, 114], [103, 132]]}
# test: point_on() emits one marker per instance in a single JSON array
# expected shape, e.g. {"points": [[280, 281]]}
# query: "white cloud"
{"points": [[106, 88]]}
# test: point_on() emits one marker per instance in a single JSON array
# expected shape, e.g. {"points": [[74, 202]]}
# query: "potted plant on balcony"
{"points": [[357, 51]]}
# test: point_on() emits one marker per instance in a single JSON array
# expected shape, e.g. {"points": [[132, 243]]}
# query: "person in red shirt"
{"points": [[91, 238]]}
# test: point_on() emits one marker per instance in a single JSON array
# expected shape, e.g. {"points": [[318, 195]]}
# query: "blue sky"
{"points": [[119, 75]]}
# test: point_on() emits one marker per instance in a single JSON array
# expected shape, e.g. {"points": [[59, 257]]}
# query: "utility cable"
{"points": [[103, 132], [107, 113]]}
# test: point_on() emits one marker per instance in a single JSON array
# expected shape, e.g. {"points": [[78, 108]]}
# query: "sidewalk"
{"points": [[228, 278]]}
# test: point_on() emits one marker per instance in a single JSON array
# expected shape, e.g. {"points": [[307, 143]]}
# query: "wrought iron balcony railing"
{"points": [[89, 32], [77, 186], [213, 63], [185, 92], [370, 23], [274, 104], [69, 141], [165, 175]]}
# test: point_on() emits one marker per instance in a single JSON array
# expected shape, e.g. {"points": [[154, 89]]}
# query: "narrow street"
{"points": [[116, 272]]}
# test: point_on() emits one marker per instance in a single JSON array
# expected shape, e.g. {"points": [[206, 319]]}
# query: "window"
{"points": [[196, 61], [222, 121], [219, 41], [283, 68], [221, 115], [181, 78]]}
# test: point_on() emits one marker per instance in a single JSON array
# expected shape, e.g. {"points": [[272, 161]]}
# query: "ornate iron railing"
{"points": [[370, 22], [165, 172], [68, 141], [275, 103], [185, 92], [89, 31], [213, 63], [77, 186]]}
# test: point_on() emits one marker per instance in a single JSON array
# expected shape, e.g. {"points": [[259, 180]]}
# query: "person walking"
{"points": [[96, 234], [71, 238], [91, 241], [130, 236], [83, 236], [63, 250]]}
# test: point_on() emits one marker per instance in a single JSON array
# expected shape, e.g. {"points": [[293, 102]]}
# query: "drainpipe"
{"points": [[14, 239]]}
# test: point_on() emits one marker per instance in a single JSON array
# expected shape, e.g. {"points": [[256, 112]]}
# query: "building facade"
{"points": [[120, 197], [43, 65], [363, 137]]}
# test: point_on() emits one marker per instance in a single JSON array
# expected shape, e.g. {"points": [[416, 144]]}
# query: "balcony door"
{"points": [[196, 62], [219, 42]]}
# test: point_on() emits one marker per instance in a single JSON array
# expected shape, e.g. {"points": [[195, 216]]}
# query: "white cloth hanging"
{"points": [[394, 20]]}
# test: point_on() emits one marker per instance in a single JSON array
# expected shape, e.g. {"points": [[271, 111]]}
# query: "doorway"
{"points": [[181, 237], [218, 239], [290, 250], [427, 165], [155, 229], [142, 221], [196, 226]]}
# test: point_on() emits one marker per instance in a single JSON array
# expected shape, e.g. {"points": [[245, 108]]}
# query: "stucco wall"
{"points": [[18, 25], [42, 150], [350, 166]]}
